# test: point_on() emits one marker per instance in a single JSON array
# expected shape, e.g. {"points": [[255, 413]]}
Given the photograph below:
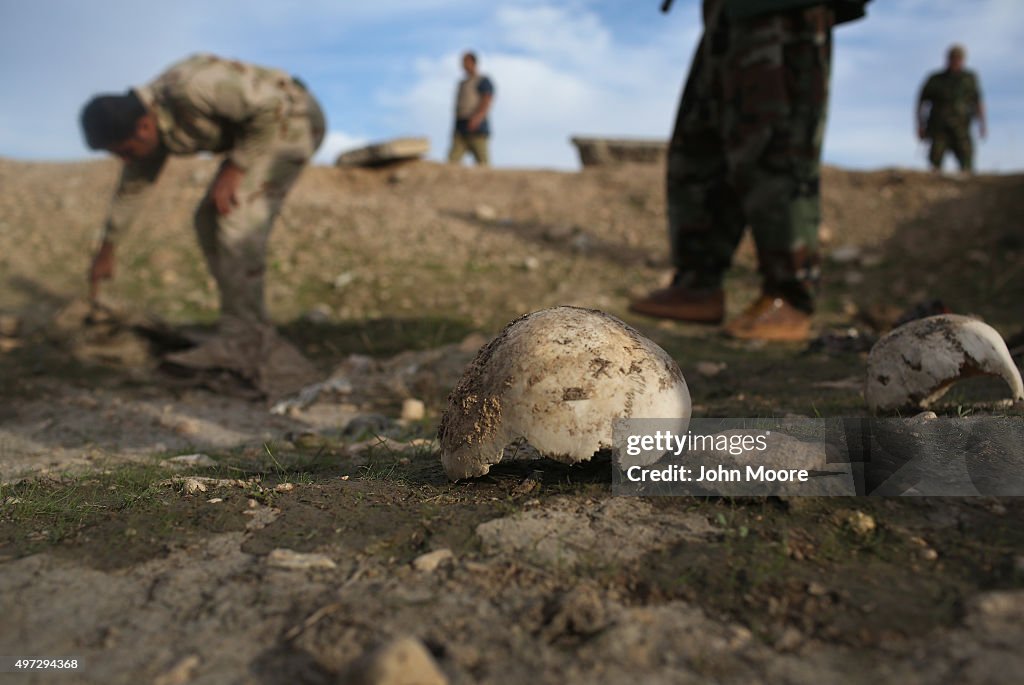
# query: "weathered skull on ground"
{"points": [[558, 379], [915, 364]]}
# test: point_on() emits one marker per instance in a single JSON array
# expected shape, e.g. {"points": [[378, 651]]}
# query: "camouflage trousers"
{"points": [[951, 138], [746, 149], [235, 244]]}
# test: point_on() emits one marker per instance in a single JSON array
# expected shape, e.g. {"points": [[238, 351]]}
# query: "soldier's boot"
{"points": [[684, 300], [783, 311], [770, 318]]}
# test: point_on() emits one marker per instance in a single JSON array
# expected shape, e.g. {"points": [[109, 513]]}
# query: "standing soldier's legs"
{"points": [[777, 88], [478, 146], [705, 222], [458, 149], [963, 149], [937, 150]]}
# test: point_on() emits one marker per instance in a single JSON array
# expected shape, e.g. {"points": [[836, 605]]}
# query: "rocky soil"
{"points": [[166, 530]]}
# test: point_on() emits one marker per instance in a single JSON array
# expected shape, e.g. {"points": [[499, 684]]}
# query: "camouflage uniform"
{"points": [[267, 124], [954, 98], [746, 146]]}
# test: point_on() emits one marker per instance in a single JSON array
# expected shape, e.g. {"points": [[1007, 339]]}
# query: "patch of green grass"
{"points": [[51, 510]]}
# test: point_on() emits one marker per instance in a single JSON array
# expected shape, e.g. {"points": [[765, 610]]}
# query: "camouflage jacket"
{"points": [[208, 104], [846, 10], [954, 98]]}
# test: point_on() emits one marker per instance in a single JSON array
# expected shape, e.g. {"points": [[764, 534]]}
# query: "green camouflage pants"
{"points": [[235, 245], [746, 149], [954, 138]]}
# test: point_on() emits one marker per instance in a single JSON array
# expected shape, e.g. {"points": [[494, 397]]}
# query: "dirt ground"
{"points": [[294, 544]]}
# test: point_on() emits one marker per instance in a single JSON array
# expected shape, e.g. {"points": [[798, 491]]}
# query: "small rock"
{"points": [[485, 213], [284, 487], [816, 589], [413, 409], [296, 561], [926, 552], [557, 234], [215, 500], [191, 486], [199, 177], [320, 313], [845, 254], [198, 460], [860, 523], [853, 277], [872, 260], [580, 611], [582, 243], [9, 325], [531, 263], [429, 562], [404, 661], [789, 640], [997, 508], [979, 257], [366, 424], [260, 517], [185, 426], [710, 369], [825, 233], [342, 280], [181, 673]]}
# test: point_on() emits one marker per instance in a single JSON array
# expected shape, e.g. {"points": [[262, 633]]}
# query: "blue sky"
{"points": [[561, 67]]}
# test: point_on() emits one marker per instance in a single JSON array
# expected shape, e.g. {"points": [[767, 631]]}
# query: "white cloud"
{"points": [[556, 74]]}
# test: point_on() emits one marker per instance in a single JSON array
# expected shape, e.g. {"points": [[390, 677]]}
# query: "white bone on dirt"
{"points": [[915, 364], [558, 379]]}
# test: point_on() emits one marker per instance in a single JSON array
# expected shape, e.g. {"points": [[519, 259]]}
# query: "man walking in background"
{"points": [[950, 99], [746, 149], [472, 103], [268, 126]]}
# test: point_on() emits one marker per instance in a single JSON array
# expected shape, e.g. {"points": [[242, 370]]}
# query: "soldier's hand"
{"points": [[224, 191], [473, 123], [102, 268]]}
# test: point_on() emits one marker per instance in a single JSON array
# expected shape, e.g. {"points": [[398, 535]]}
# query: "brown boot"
{"points": [[706, 305], [772, 319]]}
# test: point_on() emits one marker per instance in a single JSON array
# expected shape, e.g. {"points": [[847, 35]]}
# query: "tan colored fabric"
{"points": [[209, 104], [475, 144], [468, 98]]}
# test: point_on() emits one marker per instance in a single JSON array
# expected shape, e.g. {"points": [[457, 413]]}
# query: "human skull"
{"points": [[914, 365], [558, 379]]}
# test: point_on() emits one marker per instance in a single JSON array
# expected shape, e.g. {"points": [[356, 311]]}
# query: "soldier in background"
{"points": [[746, 149], [472, 103], [950, 99], [267, 125]]}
